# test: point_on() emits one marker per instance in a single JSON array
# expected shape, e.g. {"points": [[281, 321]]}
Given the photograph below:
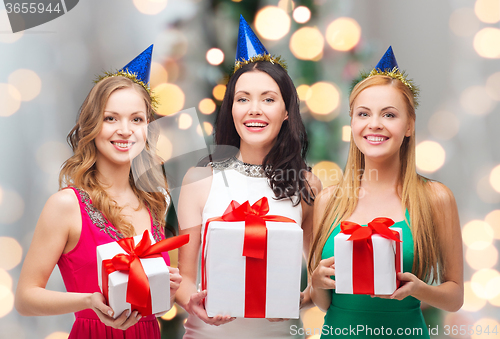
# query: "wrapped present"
{"points": [[251, 263], [133, 275], [367, 259]]}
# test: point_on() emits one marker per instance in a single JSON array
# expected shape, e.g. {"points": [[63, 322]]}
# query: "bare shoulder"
{"points": [[64, 200], [194, 195], [439, 194], [197, 174], [314, 182], [324, 196]]}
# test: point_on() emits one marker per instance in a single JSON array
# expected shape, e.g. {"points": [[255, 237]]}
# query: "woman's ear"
{"points": [[286, 116], [409, 131]]}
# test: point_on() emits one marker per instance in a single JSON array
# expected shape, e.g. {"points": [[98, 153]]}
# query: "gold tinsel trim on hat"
{"points": [[395, 73], [261, 57], [133, 77]]}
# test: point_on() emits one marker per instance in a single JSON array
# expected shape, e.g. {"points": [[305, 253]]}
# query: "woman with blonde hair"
{"points": [[110, 188], [380, 180]]}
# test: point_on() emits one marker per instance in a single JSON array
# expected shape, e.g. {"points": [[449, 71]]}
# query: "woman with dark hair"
{"points": [[261, 148]]}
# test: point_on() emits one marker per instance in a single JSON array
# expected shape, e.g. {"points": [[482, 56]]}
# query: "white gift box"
{"points": [[156, 270], [384, 263], [225, 266]]}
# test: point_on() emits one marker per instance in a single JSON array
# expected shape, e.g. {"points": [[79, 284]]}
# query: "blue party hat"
{"points": [[138, 71], [141, 65], [388, 66], [250, 49], [248, 44], [388, 61]]}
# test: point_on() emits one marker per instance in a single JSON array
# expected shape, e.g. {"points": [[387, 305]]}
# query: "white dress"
{"points": [[234, 180]]}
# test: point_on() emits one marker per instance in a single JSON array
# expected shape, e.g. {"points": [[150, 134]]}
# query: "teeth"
{"points": [[376, 139], [255, 124], [122, 145]]}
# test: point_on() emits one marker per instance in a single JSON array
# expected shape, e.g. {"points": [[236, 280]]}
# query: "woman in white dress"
{"points": [[259, 117]]}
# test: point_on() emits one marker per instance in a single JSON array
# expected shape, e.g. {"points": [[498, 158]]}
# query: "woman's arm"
{"points": [[449, 295], [58, 226], [193, 197], [307, 228], [51, 236], [320, 282]]}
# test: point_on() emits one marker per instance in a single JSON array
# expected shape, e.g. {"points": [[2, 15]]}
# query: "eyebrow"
{"points": [[263, 93], [383, 109], [134, 113]]}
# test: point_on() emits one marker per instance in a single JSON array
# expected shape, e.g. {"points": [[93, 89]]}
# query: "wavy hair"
{"points": [[285, 163], [415, 194], [80, 169]]}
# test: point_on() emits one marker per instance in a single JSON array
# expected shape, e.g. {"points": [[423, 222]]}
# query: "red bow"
{"points": [[363, 269], [376, 226], [254, 249], [138, 289]]}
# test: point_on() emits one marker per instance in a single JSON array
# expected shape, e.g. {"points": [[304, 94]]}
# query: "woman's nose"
{"points": [[125, 130], [255, 109], [375, 123]]}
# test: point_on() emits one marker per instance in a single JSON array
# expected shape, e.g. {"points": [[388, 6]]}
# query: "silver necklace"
{"points": [[250, 170]]}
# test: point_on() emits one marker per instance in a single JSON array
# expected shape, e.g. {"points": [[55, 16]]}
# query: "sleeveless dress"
{"points": [[361, 316], [235, 180], [79, 271]]}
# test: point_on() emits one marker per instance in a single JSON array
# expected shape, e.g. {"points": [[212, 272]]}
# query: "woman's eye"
{"points": [[362, 114], [390, 115], [108, 118], [242, 100], [138, 119], [269, 100]]}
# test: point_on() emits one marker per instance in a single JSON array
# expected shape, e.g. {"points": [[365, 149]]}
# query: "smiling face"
{"points": [[380, 122], [258, 110], [123, 133]]}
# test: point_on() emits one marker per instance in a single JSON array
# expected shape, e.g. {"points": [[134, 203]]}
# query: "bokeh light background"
{"points": [[450, 48]]}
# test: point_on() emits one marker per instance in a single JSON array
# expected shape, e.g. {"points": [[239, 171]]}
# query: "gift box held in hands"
{"points": [[251, 263], [367, 259], [134, 276]]}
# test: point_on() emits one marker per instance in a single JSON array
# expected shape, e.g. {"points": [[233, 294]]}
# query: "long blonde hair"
{"points": [[80, 170], [415, 194]]}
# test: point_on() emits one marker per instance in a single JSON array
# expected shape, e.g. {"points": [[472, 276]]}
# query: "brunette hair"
{"points": [[415, 194], [80, 170], [285, 163]]}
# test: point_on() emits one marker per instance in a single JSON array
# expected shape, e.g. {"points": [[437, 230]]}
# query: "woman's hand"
{"points": [[175, 282], [195, 306], [410, 284], [321, 275], [277, 320], [105, 313]]}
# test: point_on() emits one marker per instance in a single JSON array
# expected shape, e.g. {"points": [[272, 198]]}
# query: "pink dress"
{"points": [[79, 271]]}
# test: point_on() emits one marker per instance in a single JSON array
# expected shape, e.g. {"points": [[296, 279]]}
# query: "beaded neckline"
{"points": [[101, 222], [250, 170]]}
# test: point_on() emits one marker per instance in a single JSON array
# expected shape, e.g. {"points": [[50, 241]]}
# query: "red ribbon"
{"points": [[138, 289], [254, 249], [362, 270]]}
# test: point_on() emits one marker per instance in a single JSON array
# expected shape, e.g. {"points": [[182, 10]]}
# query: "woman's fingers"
{"points": [[327, 271], [98, 303], [199, 310], [328, 261], [131, 320], [277, 320], [196, 298]]}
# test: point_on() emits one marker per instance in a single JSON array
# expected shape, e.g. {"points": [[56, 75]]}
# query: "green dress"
{"points": [[361, 316]]}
